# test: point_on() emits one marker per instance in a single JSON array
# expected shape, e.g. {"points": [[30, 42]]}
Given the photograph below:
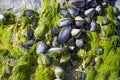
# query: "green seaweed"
{"points": [[48, 18], [44, 73], [109, 68]]}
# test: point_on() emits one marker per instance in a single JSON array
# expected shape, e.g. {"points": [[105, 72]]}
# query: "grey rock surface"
{"points": [[18, 5]]}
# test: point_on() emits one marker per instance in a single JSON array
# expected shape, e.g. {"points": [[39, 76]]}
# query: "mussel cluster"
{"points": [[68, 51]]}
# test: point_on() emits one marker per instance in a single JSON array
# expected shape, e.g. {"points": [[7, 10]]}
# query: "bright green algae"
{"points": [[108, 69]]}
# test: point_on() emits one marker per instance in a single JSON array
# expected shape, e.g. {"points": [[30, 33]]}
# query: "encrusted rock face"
{"points": [[17, 5]]}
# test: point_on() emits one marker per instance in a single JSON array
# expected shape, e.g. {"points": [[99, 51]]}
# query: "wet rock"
{"points": [[65, 22], [41, 47], [12, 5], [73, 10], [64, 35]]}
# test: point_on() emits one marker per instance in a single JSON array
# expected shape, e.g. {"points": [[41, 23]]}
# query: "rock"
{"points": [[12, 5]]}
